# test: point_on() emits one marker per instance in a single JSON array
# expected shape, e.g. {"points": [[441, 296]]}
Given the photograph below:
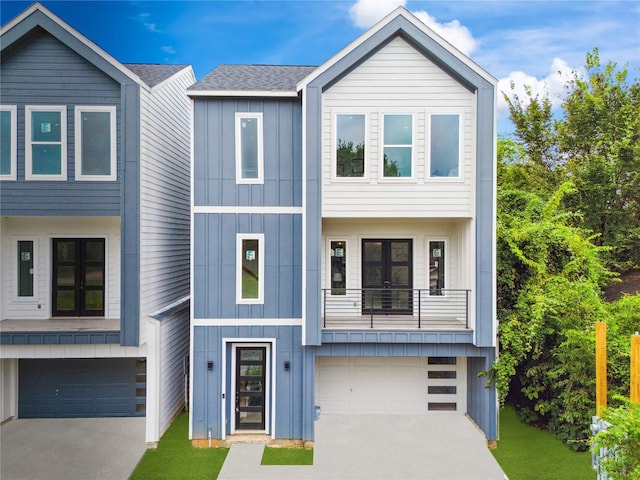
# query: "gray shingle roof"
{"points": [[263, 78], [153, 73]]}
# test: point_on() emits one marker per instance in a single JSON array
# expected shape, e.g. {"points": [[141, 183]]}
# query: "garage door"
{"points": [[81, 388], [390, 385]]}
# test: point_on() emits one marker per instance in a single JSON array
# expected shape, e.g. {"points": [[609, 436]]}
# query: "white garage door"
{"points": [[390, 385]]}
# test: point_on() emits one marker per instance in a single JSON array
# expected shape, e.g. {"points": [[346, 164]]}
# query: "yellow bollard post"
{"points": [[635, 369], [601, 367]]}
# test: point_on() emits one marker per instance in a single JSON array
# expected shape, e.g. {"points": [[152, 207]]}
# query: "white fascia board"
{"points": [[400, 11], [73, 32], [242, 93]]}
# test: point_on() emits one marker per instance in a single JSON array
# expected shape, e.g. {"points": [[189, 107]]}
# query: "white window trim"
{"points": [[16, 272], [13, 109], [239, 238], [238, 144], [460, 148], [78, 142], [334, 152], [381, 175], [28, 109], [446, 264]]}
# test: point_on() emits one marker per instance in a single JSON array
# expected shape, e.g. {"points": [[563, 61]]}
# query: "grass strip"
{"points": [[287, 456], [528, 453], [176, 459]]}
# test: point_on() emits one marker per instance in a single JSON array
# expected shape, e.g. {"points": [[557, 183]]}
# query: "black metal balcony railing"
{"points": [[395, 308]]}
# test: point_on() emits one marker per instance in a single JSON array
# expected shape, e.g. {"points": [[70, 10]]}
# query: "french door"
{"points": [[251, 365], [387, 276], [78, 277]]}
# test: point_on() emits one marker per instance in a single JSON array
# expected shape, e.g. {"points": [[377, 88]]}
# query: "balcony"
{"points": [[395, 309]]}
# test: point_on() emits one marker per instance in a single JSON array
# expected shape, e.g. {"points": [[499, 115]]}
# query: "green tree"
{"points": [[350, 159]]}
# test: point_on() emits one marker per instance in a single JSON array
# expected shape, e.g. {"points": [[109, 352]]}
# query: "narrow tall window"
{"points": [[398, 145], [436, 267], [46, 143], [95, 132], [249, 148], [250, 268], [338, 268], [8, 142], [350, 145], [445, 146], [25, 268]]}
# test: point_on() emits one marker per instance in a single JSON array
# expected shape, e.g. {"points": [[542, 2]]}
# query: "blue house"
{"points": [[343, 242], [94, 228]]}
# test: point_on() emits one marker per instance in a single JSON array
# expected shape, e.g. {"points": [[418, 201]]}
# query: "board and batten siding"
{"points": [[42, 231], [165, 151], [214, 153], [44, 71], [398, 79]]}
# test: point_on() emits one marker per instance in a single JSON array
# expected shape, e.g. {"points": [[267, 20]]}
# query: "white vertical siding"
{"points": [[165, 194], [398, 79], [42, 230]]}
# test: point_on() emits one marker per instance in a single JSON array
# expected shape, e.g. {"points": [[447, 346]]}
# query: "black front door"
{"points": [[78, 277], [387, 276], [251, 365]]}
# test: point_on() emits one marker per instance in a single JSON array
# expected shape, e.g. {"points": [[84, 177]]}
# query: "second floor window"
{"points": [[350, 145], [46, 146], [249, 151], [398, 145], [8, 143], [250, 268], [445, 146], [95, 132]]}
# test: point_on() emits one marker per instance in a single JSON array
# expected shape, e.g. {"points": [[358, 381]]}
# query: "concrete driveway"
{"points": [[71, 448], [366, 447]]}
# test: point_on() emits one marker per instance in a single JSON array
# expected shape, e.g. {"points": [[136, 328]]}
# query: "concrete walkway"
{"points": [[71, 448], [389, 447]]}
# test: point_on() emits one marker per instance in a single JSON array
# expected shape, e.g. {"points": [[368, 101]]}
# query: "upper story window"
{"points": [[350, 145], [398, 146], [249, 149], [8, 142], [445, 146], [45, 142], [95, 133], [250, 268]]}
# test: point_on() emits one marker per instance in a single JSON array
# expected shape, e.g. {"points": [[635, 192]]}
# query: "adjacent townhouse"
{"points": [[343, 238], [94, 228]]}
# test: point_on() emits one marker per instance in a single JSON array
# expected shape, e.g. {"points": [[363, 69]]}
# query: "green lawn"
{"points": [[176, 459], [287, 456], [528, 453]]}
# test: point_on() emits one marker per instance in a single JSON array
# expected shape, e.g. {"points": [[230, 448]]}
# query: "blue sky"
{"points": [[527, 42]]}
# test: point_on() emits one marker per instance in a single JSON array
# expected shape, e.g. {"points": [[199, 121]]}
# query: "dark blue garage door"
{"points": [[81, 388]]}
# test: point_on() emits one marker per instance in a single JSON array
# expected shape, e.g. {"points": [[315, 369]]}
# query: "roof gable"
{"points": [[18, 30], [401, 23]]}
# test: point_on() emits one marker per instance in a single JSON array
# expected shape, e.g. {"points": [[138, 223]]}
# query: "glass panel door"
{"points": [[387, 276], [250, 396]]}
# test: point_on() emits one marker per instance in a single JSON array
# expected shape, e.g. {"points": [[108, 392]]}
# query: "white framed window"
{"points": [[444, 146], [26, 266], [8, 142], [95, 143], [338, 266], [397, 149], [45, 142], [437, 255], [250, 268], [249, 148], [350, 145]]}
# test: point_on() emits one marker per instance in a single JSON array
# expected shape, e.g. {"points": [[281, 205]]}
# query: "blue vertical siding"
{"points": [[481, 399]]}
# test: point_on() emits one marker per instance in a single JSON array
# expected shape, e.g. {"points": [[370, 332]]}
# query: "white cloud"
{"points": [[552, 85], [365, 13], [454, 32], [143, 18], [168, 49]]}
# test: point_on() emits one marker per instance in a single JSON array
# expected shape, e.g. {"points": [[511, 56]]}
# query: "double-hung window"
{"points": [[249, 148], [46, 142], [350, 146], [8, 142], [250, 268], [398, 146], [444, 141], [95, 147]]}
